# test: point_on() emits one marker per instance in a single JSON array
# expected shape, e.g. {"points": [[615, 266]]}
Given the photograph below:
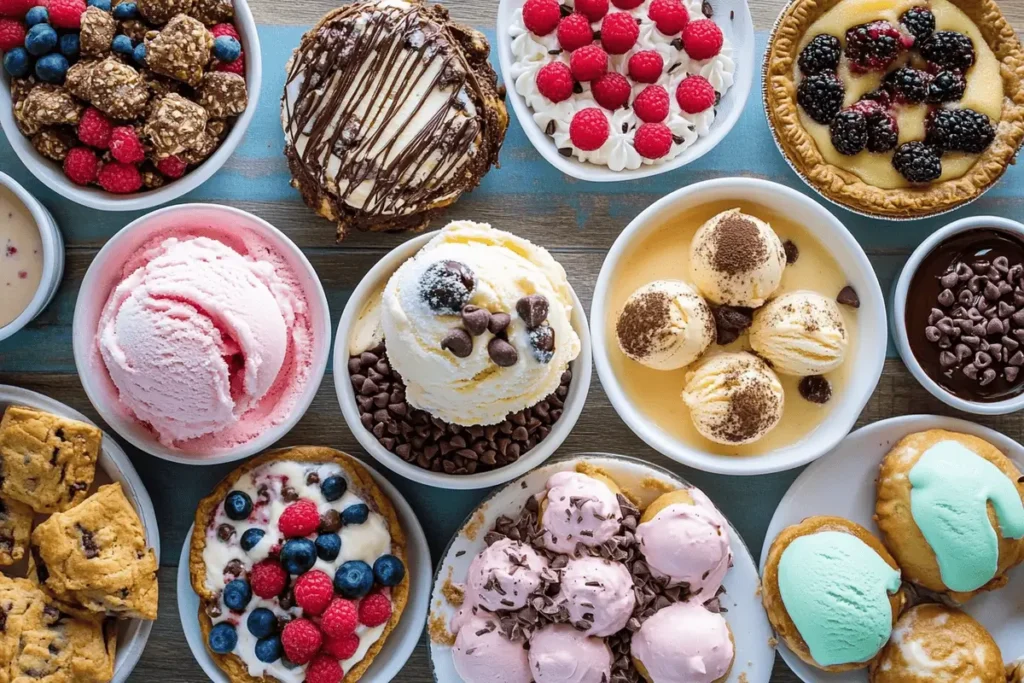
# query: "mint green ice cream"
{"points": [[836, 590]]}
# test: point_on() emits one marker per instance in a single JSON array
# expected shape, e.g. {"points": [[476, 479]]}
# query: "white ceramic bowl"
{"points": [[578, 389], [104, 274], [52, 175], [747, 620], [899, 313], [842, 484], [399, 645], [53, 257], [739, 30], [867, 354], [114, 466]]}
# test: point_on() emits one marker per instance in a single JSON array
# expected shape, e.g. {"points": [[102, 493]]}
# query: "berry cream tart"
{"points": [[298, 559], [902, 108], [622, 85]]}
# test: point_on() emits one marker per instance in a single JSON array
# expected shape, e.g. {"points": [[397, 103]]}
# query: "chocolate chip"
{"points": [[330, 522], [225, 532], [475, 319], [502, 353], [446, 287], [949, 280], [458, 342], [542, 341], [89, 547], [815, 389], [1011, 373], [932, 334], [987, 377], [946, 297], [289, 494], [533, 309], [234, 568], [848, 297], [792, 252], [312, 479], [499, 323]]}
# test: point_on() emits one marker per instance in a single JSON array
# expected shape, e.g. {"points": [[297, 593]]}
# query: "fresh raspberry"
{"points": [[702, 39], [301, 518], [653, 140], [313, 592], [66, 13], [592, 9], [302, 640], [646, 66], [268, 579], [94, 129], [235, 67], [219, 30], [340, 619], [589, 129], [541, 16], [172, 167], [588, 63], [12, 34], [695, 94], [651, 105], [324, 669], [125, 145], [627, 4], [81, 165], [670, 16], [554, 81], [375, 609], [612, 91], [619, 32], [16, 8], [343, 648], [574, 32], [119, 178]]}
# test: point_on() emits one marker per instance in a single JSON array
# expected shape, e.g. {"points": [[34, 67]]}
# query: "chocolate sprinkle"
{"points": [[739, 247]]}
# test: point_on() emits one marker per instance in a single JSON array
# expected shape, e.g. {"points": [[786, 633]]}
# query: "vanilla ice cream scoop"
{"points": [[737, 260], [734, 398], [561, 654], [800, 333], [483, 655], [503, 576], [665, 325], [477, 323], [578, 509], [598, 592], [683, 643]]}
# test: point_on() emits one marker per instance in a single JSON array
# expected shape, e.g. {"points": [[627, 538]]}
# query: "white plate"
{"points": [[399, 645], [750, 628], [843, 484], [114, 465]]}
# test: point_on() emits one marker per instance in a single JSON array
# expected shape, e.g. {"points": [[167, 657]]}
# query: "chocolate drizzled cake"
{"points": [[390, 112]]}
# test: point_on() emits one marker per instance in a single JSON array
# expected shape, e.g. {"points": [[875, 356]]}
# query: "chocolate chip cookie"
{"points": [[15, 527]]}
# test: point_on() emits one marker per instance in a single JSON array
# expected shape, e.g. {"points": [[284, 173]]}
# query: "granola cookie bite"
{"points": [[684, 642], [951, 510]]}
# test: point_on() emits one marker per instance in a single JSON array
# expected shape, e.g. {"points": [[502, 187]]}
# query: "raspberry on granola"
{"points": [[98, 30], [174, 125], [180, 50], [223, 94]]}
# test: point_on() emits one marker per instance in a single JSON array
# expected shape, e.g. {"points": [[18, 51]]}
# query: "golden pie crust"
{"points": [[845, 187]]}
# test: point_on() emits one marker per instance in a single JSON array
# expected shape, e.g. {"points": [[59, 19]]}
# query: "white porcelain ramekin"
{"points": [[867, 354], [578, 389], [899, 314]]}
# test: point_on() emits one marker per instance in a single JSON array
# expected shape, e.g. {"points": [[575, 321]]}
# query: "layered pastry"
{"points": [[461, 361], [634, 84], [933, 643], [738, 344], [951, 510], [298, 559], [832, 593], [390, 112], [901, 108], [582, 586]]}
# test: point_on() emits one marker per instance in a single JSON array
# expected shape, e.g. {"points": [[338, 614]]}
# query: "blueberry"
{"points": [[223, 638], [37, 15], [388, 570], [261, 622], [353, 580], [99, 4], [40, 39], [226, 49], [334, 487], [237, 595], [52, 68], [250, 538], [126, 10], [122, 45], [269, 650], [298, 555], [328, 546], [237, 505], [140, 53], [355, 514], [70, 45], [17, 62]]}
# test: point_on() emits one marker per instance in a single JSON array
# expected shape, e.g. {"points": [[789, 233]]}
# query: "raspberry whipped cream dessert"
{"points": [[621, 85], [627, 596], [298, 560]]}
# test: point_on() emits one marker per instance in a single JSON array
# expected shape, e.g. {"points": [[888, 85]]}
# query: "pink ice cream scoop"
{"points": [[684, 643], [688, 544], [561, 654], [580, 509], [503, 576], [599, 593], [482, 655]]}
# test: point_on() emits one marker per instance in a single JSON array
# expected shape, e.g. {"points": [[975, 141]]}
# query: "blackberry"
{"points": [[947, 86], [949, 49], [883, 133], [917, 162], [919, 22], [959, 130], [874, 46], [821, 96], [908, 85], [849, 132], [821, 54]]}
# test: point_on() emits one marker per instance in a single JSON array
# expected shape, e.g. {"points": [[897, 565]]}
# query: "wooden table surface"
{"points": [[577, 221]]}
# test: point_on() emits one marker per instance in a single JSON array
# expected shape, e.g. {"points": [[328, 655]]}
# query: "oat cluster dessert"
{"points": [[390, 112], [127, 96], [634, 84]]}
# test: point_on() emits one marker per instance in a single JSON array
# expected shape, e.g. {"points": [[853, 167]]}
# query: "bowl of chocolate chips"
{"points": [[958, 315]]}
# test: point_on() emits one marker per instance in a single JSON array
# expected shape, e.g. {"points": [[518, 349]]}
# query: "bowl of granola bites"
{"points": [[124, 105]]}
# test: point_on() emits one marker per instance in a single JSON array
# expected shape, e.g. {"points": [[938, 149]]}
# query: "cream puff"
{"points": [[483, 655], [579, 508], [503, 576], [598, 594], [684, 643], [561, 654]]}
